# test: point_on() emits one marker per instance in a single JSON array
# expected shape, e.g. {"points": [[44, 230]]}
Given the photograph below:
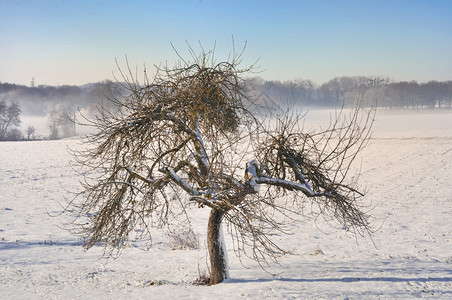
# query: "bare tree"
{"points": [[31, 132], [9, 117], [55, 119], [61, 121], [184, 139]]}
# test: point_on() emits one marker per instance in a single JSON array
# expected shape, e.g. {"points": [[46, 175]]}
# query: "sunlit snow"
{"points": [[406, 169]]}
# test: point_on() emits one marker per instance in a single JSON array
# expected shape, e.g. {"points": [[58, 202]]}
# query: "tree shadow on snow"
{"points": [[20, 244]]}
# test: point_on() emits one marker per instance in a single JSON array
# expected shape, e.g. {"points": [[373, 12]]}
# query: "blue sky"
{"points": [[76, 42]]}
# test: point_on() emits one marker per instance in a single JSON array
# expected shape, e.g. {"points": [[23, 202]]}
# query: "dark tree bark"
{"points": [[218, 263]]}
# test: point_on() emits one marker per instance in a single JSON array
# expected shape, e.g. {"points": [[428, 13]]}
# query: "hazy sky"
{"points": [[76, 42]]}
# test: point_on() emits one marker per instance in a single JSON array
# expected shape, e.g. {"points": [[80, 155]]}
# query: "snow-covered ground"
{"points": [[407, 170]]}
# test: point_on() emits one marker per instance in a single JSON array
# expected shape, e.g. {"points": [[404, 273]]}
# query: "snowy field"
{"points": [[407, 170]]}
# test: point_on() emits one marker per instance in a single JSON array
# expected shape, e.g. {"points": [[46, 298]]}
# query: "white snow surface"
{"points": [[407, 170]]}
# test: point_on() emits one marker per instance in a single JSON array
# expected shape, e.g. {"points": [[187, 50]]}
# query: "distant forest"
{"points": [[376, 92], [379, 92], [39, 100]]}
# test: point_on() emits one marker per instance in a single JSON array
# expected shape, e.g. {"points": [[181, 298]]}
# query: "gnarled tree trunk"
{"points": [[217, 251]]}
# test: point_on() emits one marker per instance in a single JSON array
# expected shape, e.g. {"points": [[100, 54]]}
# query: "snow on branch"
{"points": [[180, 182], [290, 185]]}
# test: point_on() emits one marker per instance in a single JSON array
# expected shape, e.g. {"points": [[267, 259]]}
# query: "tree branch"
{"points": [[290, 185], [180, 182]]}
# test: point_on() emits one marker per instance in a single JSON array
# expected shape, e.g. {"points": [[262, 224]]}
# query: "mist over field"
{"points": [[37, 102]]}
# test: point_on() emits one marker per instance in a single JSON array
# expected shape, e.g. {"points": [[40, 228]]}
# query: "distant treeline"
{"points": [[39, 100], [371, 91], [59, 105]]}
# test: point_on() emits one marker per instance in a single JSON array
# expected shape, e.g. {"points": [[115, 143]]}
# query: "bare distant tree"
{"points": [[61, 122], [31, 132], [184, 140], [55, 119], [9, 117]]}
